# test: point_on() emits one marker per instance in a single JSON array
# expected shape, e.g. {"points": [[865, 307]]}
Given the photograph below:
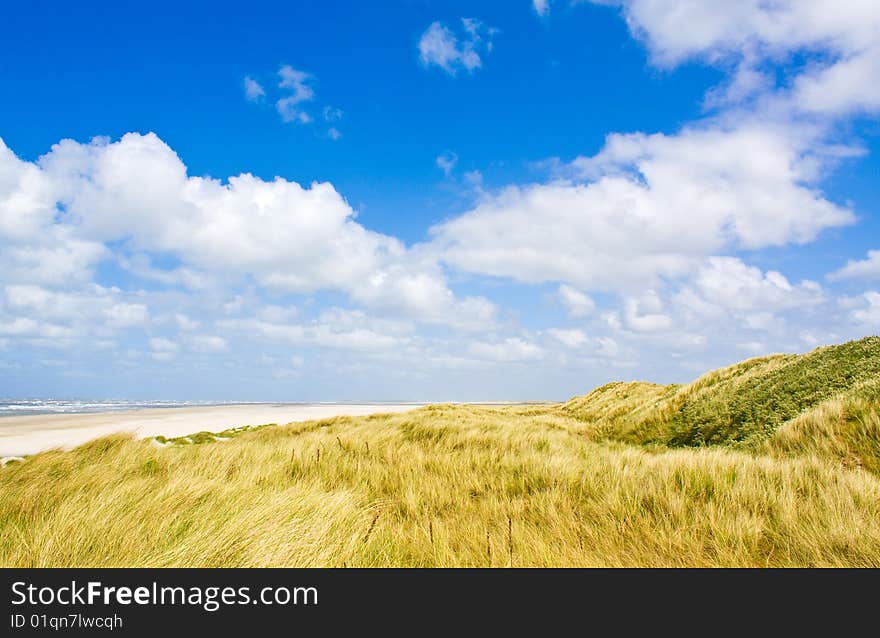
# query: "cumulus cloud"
{"points": [[452, 52], [869, 314], [868, 268], [572, 337], [210, 344], [162, 349], [576, 303], [850, 85], [542, 7], [648, 206], [725, 297], [135, 195], [36, 249], [746, 82], [184, 322], [93, 303], [675, 31], [140, 265], [652, 219], [335, 328], [27, 327], [512, 349], [645, 313], [419, 290], [845, 79], [727, 306], [729, 283], [648, 215]]}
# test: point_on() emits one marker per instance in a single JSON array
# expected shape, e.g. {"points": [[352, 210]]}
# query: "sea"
{"points": [[24, 407]]}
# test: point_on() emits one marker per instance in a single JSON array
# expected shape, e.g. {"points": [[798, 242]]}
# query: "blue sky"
{"points": [[514, 200]]}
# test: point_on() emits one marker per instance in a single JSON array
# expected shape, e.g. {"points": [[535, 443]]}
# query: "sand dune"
{"points": [[22, 435]]}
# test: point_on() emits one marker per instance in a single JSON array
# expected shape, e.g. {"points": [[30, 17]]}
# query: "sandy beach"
{"points": [[23, 435]]}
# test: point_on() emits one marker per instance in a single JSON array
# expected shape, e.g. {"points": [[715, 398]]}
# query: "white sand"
{"points": [[22, 435]]}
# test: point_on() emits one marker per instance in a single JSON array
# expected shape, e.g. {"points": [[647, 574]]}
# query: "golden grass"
{"points": [[771, 462], [453, 486], [845, 429]]}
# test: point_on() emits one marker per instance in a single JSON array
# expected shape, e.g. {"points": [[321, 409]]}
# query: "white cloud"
{"points": [[646, 218], [141, 266], [209, 344], [90, 310], [675, 31], [253, 90], [217, 250], [646, 313], [648, 206], [608, 347], [294, 99], [725, 297], [27, 327], [446, 162], [160, 344], [745, 82], [280, 234], [729, 283], [26, 202], [297, 84], [339, 329], [185, 323], [542, 7], [277, 314], [512, 349], [440, 46], [852, 84], [577, 303], [571, 338], [51, 256], [123, 315], [868, 268], [36, 249], [846, 79], [162, 349], [869, 314], [419, 290]]}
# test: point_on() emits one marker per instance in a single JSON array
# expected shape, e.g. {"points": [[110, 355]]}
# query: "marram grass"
{"points": [[630, 475]]}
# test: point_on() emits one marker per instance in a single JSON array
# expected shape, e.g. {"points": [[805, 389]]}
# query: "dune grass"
{"points": [[736, 405], [602, 480]]}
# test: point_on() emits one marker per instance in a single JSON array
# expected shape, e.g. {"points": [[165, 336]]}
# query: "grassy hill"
{"points": [[745, 405], [774, 461]]}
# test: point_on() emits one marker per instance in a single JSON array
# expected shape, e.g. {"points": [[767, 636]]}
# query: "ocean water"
{"points": [[23, 407]]}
